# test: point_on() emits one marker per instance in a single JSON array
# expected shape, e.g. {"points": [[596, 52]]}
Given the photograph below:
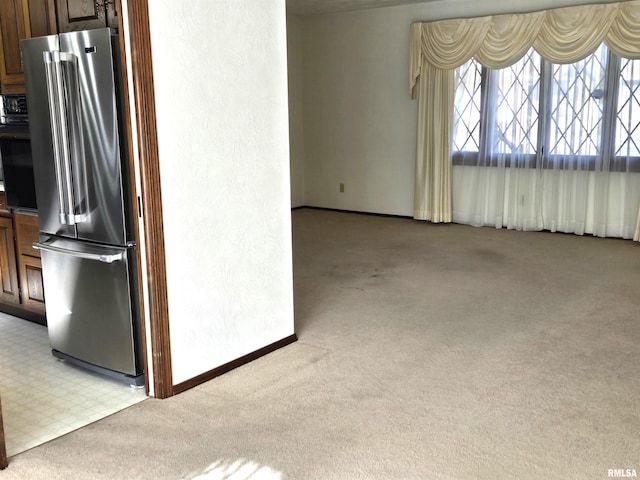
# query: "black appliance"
{"points": [[15, 153]]}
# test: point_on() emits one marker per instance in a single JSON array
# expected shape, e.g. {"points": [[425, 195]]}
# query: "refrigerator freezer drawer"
{"points": [[89, 310]]}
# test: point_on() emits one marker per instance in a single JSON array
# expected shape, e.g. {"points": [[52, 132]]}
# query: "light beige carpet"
{"points": [[425, 352]]}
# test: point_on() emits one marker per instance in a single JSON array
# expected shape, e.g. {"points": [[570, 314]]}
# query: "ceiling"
{"points": [[314, 7]]}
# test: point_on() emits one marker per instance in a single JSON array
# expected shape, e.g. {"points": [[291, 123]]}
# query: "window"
{"points": [[577, 104], [515, 93], [627, 136], [467, 108], [582, 115]]}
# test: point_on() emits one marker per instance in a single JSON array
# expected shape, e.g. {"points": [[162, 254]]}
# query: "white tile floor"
{"points": [[44, 398]]}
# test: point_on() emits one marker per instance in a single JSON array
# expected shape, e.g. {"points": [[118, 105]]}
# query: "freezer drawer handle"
{"points": [[114, 257]]}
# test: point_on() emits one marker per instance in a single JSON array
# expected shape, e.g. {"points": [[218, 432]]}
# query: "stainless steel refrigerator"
{"points": [[84, 203]]}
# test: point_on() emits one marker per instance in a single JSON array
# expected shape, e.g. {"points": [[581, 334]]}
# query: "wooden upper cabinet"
{"points": [[14, 26], [112, 13], [76, 15], [35, 18], [42, 18], [21, 19]]}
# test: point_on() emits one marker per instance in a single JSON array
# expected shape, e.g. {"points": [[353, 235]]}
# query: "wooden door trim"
{"points": [[3, 450], [150, 194]]}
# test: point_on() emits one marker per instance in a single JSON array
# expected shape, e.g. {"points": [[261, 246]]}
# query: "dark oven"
{"points": [[15, 154]]}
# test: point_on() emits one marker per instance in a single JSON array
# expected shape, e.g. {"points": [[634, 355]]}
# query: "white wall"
{"points": [[359, 123], [220, 72], [294, 47]]}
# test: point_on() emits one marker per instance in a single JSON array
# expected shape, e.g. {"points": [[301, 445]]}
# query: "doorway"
{"points": [[146, 188]]}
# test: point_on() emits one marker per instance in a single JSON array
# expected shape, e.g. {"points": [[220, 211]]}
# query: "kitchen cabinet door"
{"points": [[8, 271], [31, 284], [14, 26], [29, 263], [76, 15], [42, 18]]}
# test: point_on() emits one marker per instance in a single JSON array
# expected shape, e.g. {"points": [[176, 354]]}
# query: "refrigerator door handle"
{"points": [[100, 257], [55, 96], [73, 113], [65, 130]]}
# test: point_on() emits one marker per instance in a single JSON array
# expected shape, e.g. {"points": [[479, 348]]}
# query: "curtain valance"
{"points": [[562, 35]]}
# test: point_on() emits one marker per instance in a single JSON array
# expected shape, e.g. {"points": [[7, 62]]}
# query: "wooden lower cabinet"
{"points": [[31, 286], [21, 284], [8, 272], [29, 263]]}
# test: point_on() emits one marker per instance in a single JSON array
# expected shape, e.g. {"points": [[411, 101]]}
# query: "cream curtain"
{"points": [[433, 200], [562, 35]]}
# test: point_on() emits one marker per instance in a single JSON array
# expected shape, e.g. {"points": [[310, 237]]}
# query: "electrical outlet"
{"points": [[342, 188]]}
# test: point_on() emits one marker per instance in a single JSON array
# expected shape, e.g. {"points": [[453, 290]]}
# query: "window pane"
{"points": [[627, 131], [466, 137], [516, 106], [577, 106]]}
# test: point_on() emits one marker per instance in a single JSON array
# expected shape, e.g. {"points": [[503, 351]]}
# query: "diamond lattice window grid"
{"points": [[577, 106], [586, 112], [517, 105], [467, 108], [628, 113]]}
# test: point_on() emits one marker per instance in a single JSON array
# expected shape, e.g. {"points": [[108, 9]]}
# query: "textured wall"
{"points": [[294, 48], [221, 91], [359, 122]]}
